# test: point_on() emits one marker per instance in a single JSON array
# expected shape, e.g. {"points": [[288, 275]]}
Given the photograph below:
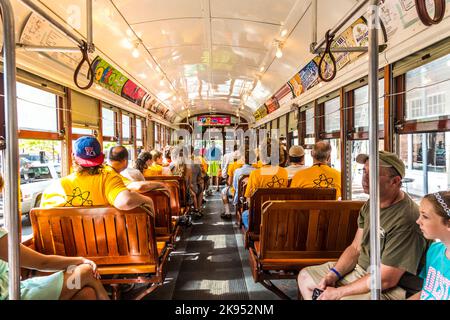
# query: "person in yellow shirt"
{"points": [[118, 159], [228, 191], [320, 175], [91, 183], [268, 176], [156, 168]]}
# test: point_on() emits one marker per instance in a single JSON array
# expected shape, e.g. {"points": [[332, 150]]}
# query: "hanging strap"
{"points": [[439, 12], [329, 39], [90, 75]]}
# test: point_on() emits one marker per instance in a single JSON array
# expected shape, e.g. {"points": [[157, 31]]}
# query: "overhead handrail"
{"points": [[11, 154], [85, 47], [424, 16], [329, 39], [90, 75]]}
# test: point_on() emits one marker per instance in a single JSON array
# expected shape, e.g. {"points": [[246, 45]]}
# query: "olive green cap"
{"points": [[387, 159]]}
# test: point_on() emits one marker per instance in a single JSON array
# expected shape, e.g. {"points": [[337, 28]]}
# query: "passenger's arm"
{"points": [[346, 263], [390, 277], [128, 200], [415, 296], [31, 259], [145, 186]]}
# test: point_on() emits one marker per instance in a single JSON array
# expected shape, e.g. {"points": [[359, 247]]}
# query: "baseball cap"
{"points": [[88, 152], [387, 159], [296, 151]]}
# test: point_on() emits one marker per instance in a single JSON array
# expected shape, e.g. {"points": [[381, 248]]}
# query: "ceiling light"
{"points": [[182, 107], [142, 75], [261, 69], [126, 44], [174, 98], [279, 53], [136, 52], [284, 32], [242, 107], [161, 82]]}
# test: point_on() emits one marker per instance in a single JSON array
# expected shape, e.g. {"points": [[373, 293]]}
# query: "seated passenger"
{"points": [[296, 160], [196, 183], [156, 169], [247, 168], [143, 161], [118, 159], [233, 164], [402, 244], [434, 221], [320, 175], [91, 183], [267, 176], [55, 286]]}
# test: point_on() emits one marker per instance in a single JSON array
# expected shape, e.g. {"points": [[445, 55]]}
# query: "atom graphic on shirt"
{"points": [[80, 196], [276, 182], [323, 182]]}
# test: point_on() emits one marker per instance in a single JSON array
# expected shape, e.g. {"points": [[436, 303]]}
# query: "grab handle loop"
{"points": [[90, 75], [329, 39], [422, 12]]}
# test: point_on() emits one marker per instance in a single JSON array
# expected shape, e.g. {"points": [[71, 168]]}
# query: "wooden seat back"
{"points": [[182, 183], [308, 231], [174, 189], [265, 194], [105, 235], [163, 212]]}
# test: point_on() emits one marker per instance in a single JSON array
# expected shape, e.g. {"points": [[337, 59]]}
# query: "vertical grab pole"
{"points": [[90, 34], [314, 25], [12, 149], [375, 261]]}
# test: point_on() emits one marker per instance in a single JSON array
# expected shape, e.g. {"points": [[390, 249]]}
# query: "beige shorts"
{"points": [[318, 272]]}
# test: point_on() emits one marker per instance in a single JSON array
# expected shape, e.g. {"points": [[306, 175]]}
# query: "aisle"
{"points": [[211, 266]]}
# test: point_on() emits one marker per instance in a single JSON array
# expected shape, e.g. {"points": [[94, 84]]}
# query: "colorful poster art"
{"points": [[108, 77], [214, 121], [272, 105], [133, 93], [309, 75], [261, 112], [296, 85]]}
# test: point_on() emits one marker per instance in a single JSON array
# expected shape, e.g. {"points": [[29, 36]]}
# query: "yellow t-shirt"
{"points": [[232, 167], [318, 176], [83, 190], [266, 177], [154, 170], [258, 164]]}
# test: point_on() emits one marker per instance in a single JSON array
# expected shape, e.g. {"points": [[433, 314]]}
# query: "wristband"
{"points": [[340, 277]]}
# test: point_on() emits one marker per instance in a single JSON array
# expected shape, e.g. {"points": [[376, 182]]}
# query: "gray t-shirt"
{"points": [[402, 244]]}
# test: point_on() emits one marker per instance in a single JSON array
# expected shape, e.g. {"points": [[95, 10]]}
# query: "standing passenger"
{"points": [[213, 156]]}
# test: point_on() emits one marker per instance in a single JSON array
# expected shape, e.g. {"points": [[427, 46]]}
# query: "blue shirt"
{"points": [[245, 169], [213, 154], [436, 274]]}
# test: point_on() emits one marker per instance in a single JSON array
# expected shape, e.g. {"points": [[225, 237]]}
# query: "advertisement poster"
{"points": [[214, 121], [133, 93], [108, 77], [261, 112], [310, 74], [296, 85], [272, 105]]}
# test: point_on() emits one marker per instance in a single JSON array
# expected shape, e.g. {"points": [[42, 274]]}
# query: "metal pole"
{"points": [[375, 261], [343, 21], [30, 4], [31, 48], [314, 25], [12, 149], [90, 30]]}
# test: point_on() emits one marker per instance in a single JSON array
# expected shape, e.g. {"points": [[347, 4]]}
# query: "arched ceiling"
{"points": [[203, 55]]}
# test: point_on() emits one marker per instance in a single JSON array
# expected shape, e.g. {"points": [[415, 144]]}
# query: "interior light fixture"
{"points": [[284, 32], [261, 69], [174, 98], [161, 81], [279, 52], [135, 53]]}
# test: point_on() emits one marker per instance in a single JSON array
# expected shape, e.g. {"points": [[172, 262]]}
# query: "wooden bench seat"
{"points": [[262, 195], [297, 234], [121, 243]]}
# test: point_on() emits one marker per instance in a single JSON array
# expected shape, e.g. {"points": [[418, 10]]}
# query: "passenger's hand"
{"points": [[93, 265], [330, 294], [328, 281]]}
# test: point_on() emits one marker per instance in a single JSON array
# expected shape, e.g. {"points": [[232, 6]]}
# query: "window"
{"points": [[138, 129], [39, 151], [426, 156], [361, 106], [108, 118], [82, 131], [427, 91], [310, 131], [332, 115], [126, 127], [36, 109]]}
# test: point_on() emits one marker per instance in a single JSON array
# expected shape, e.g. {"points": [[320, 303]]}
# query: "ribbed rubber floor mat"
{"points": [[211, 268]]}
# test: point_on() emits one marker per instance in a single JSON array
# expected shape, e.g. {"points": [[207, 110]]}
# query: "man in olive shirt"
{"points": [[401, 243]]}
